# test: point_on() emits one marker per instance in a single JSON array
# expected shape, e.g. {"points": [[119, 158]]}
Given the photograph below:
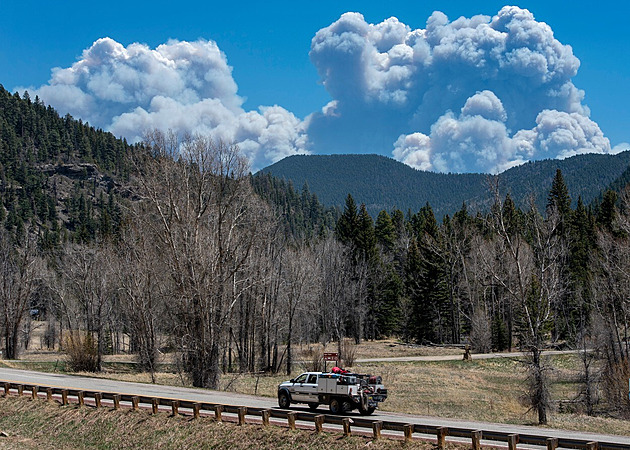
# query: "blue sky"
{"points": [[267, 46]]}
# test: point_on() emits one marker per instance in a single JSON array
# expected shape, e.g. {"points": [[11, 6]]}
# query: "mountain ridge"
{"points": [[384, 183]]}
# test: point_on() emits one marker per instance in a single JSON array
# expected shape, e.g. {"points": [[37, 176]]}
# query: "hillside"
{"points": [[383, 183], [59, 177]]}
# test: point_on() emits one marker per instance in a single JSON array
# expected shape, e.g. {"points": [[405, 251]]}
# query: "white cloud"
{"points": [[184, 86], [621, 147], [507, 76]]}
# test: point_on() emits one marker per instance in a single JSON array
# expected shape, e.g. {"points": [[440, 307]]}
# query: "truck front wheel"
{"points": [[283, 400], [366, 412]]}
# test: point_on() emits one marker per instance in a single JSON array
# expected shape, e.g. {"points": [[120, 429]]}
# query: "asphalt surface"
{"points": [[205, 395]]}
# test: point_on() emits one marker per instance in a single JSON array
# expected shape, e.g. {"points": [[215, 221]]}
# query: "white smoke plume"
{"points": [[475, 94], [183, 86]]}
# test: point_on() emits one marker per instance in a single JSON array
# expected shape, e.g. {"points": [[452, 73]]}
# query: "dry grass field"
{"points": [[484, 389]]}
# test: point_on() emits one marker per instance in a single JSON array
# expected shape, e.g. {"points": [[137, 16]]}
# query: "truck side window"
{"points": [[301, 378], [312, 379]]}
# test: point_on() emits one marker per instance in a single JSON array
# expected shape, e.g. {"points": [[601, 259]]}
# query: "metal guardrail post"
{"points": [[135, 402], [376, 429], [242, 411], [552, 443], [218, 409], [116, 401], [20, 389], [291, 419], [34, 390], [512, 440], [80, 398], [196, 410], [7, 388], [154, 405], [97, 399], [591, 445], [476, 439], [64, 397], [408, 430], [175, 407], [49, 394]]}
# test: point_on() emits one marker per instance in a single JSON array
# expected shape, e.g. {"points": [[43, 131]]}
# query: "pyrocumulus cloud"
{"points": [[183, 86], [478, 94], [473, 94]]}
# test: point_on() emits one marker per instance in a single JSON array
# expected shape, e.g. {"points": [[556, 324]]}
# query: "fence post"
{"points": [[319, 423], [218, 409], [408, 430], [266, 413], [346, 426], [291, 419], [476, 440], [116, 401], [64, 397], [552, 443], [97, 399], [376, 429], [175, 407], [80, 398], [512, 441], [441, 437], [242, 411], [34, 391], [49, 394], [592, 446], [196, 409]]}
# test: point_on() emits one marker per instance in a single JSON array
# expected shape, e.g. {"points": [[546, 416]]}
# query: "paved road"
{"points": [[204, 395]]}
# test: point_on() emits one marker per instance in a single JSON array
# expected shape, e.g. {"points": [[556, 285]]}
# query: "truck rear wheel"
{"points": [[283, 400], [335, 406]]}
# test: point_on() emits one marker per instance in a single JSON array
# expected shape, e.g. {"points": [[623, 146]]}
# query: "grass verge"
{"points": [[37, 424]]}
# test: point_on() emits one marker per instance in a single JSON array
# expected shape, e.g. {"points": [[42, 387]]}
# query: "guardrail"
{"points": [[196, 409]]}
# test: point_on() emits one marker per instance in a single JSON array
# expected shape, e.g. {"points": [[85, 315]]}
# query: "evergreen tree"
{"points": [[346, 229], [608, 211], [385, 231], [365, 239], [558, 197]]}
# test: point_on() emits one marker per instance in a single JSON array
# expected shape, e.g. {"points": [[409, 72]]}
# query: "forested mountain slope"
{"points": [[57, 174], [383, 183], [65, 179]]}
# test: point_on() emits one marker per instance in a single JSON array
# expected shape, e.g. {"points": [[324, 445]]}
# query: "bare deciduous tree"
{"points": [[203, 223], [21, 271]]}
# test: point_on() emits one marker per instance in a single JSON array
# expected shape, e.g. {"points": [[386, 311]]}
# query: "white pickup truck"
{"points": [[341, 392]]}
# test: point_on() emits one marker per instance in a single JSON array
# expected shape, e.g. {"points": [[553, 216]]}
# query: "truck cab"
{"points": [[302, 389]]}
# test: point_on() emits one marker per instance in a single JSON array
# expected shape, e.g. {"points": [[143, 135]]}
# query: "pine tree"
{"points": [[365, 239], [385, 231], [347, 224], [558, 197]]}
